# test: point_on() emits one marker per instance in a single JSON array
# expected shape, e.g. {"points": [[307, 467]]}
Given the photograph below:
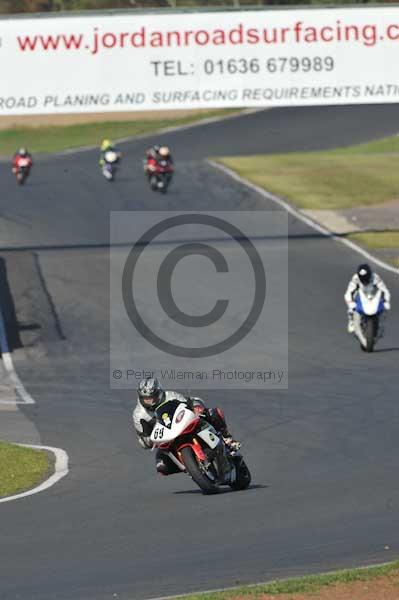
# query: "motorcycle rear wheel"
{"points": [[190, 462]]}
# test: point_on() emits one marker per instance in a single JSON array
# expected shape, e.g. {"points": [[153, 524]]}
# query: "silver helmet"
{"points": [[150, 393]]}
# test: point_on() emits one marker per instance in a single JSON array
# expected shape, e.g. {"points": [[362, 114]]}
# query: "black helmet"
{"points": [[364, 273], [150, 393]]}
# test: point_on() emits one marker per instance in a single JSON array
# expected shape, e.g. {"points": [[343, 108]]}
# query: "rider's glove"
{"points": [[387, 305], [145, 442]]}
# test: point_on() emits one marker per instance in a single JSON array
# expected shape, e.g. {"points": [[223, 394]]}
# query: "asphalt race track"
{"points": [[324, 453]]}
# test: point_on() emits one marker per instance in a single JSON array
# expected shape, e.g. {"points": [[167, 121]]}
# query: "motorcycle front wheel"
{"points": [[370, 333], [108, 174], [198, 475], [165, 184], [154, 183], [243, 477]]}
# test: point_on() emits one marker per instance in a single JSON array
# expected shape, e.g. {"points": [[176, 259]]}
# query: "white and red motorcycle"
{"points": [[197, 449]]}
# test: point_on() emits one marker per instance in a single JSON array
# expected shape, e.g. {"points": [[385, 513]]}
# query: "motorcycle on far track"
{"points": [[111, 159], [197, 449], [22, 169], [369, 317], [161, 176]]}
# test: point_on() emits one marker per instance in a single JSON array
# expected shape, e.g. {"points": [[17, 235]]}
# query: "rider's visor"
{"points": [[149, 401]]}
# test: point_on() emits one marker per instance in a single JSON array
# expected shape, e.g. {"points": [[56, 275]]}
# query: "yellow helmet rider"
{"points": [[105, 144]]}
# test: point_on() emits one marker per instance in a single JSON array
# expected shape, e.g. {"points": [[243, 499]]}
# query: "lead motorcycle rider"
{"points": [[150, 396], [363, 277], [153, 156]]}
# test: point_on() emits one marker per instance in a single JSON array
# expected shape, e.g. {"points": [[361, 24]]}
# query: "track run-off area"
{"points": [[323, 453]]}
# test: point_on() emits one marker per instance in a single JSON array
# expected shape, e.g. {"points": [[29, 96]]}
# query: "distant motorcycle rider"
{"points": [[155, 155], [150, 397], [108, 146], [22, 153], [363, 277]]}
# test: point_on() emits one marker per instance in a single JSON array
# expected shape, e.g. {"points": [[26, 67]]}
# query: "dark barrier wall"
{"points": [[8, 309]]}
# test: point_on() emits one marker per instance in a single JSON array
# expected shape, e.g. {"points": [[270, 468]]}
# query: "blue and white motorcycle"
{"points": [[368, 318]]}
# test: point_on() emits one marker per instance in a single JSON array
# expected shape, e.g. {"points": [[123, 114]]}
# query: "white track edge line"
{"points": [[9, 367], [305, 219], [61, 469], [252, 585]]}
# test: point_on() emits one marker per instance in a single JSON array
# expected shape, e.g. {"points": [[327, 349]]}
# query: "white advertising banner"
{"points": [[133, 61]]}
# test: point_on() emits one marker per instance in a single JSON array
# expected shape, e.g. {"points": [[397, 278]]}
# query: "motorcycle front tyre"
{"points": [[191, 464], [154, 183], [370, 333], [108, 174], [243, 477], [21, 178]]}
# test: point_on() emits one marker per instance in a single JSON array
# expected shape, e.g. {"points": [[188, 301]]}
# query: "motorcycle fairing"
{"points": [[209, 436], [369, 302]]}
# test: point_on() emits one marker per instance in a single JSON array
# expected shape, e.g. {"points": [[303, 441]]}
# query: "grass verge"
{"points": [[21, 468], [54, 138], [379, 240], [336, 179], [302, 585]]}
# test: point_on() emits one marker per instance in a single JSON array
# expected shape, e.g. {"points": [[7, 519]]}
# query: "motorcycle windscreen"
{"points": [[110, 157], [369, 301], [165, 412]]}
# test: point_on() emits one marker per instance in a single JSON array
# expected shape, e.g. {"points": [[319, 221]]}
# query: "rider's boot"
{"points": [[351, 323], [164, 464]]}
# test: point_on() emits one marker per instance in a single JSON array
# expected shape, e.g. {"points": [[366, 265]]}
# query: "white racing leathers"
{"points": [[144, 419], [355, 284]]}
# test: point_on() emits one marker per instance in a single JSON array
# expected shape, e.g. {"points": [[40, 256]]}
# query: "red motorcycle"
{"points": [[21, 168], [160, 173]]}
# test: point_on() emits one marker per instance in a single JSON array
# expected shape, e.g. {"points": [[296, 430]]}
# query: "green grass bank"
{"points": [[379, 240], [360, 175], [47, 139], [302, 585], [21, 468]]}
